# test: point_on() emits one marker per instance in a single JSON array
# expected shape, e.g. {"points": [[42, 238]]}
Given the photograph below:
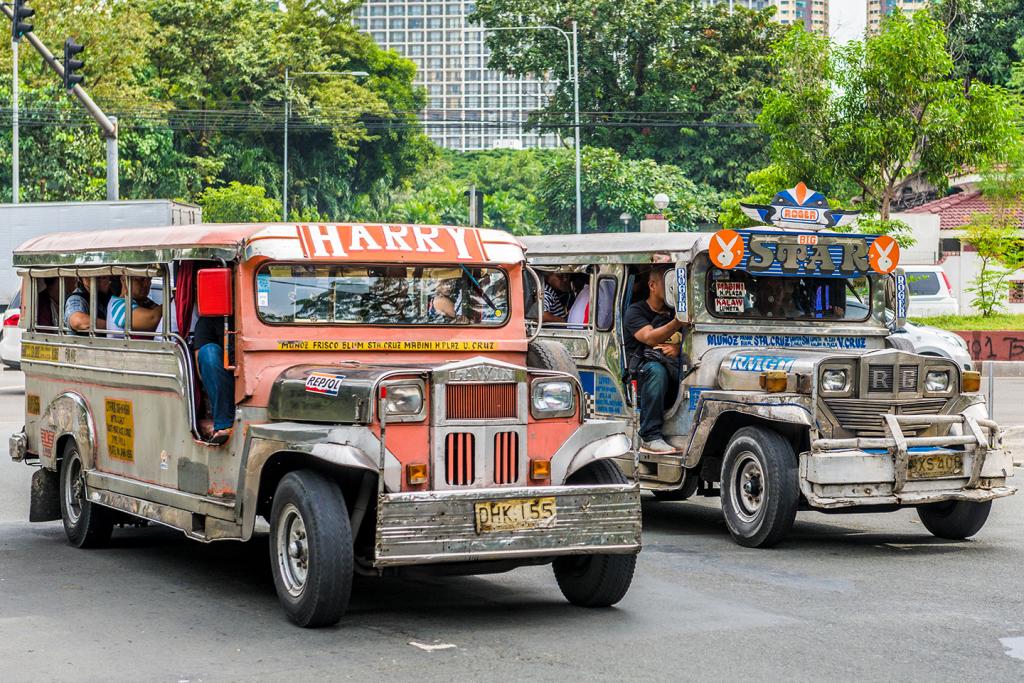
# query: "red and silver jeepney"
{"points": [[391, 408]]}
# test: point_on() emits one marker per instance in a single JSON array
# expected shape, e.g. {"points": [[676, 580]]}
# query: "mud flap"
{"points": [[45, 503]]}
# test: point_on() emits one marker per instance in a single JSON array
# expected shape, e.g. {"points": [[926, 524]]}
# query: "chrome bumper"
{"points": [[18, 446], [440, 526]]}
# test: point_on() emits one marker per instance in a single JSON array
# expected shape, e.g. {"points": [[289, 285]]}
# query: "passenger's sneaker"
{"points": [[657, 446]]}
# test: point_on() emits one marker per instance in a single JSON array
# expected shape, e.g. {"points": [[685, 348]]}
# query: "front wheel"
{"points": [[760, 489], [595, 580], [955, 520], [311, 549], [86, 524]]}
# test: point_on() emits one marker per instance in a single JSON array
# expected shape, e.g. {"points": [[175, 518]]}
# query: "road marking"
{"points": [[1014, 647], [431, 648]]}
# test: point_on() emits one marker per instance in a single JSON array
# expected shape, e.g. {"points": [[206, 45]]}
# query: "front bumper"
{"points": [[440, 526]]}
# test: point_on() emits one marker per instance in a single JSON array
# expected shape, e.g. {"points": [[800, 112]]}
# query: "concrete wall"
{"points": [[925, 228]]}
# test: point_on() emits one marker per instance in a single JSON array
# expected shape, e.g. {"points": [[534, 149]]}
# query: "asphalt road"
{"points": [[870, 597]]}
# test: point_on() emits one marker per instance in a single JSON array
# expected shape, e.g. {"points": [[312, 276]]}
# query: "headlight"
{"points": [[937, 380], [552, 397], [403, 399], [834, 380]]}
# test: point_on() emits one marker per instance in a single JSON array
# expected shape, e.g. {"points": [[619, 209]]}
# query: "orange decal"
{"points": [[726, 249], [884, 255], [801, 192], [399, 243]]}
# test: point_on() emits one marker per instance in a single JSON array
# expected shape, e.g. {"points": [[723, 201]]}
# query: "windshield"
{"points": [[297, 294], [738, 294]]}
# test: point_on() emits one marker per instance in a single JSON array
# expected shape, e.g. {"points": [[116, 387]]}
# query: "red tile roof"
{"points": [[955, 211]]}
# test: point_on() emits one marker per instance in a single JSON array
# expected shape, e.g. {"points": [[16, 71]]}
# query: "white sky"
{"points": [[847, 19]]}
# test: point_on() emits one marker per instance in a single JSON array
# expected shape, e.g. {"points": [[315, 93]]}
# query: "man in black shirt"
{"points": [[219, 384], [652, 328]]}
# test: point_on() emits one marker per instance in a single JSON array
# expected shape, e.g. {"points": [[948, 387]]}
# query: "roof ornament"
{"points": [[801, 208]]}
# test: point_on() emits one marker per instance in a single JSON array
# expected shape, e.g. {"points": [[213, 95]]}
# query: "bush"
{"points": [[238, 203]]}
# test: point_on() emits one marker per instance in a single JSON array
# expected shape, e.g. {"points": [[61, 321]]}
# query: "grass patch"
{"points": [[974, 322]]}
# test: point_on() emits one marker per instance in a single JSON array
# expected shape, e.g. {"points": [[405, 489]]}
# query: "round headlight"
{"points": [[552, 397], [834, 380], [404, 399], [937, 380]]}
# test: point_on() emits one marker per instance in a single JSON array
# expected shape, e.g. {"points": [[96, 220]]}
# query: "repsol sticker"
{"points": [[786, 341], [759, 363], [323, 383]]}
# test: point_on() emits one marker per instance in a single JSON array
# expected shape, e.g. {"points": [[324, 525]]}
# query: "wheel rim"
{"points": [[748, 487], [292, 550], [74, 490]]}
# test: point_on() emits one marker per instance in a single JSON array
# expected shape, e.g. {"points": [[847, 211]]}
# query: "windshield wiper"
{"points": [[479, 289]]}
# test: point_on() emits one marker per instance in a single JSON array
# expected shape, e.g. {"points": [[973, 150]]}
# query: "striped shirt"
{"points": [[553, 303]]}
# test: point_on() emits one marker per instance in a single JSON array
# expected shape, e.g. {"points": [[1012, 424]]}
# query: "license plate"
{"points": [[938, 465], [511, 515]]}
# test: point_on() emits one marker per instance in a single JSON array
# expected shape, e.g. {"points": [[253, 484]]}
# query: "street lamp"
{"points": [[625, 218], [661, 201], [288, 78], [573, 62]]}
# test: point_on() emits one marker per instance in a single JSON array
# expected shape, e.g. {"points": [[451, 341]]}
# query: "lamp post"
{"points": [[288, 78], [625, 217], [573, 63], [655, 222]]}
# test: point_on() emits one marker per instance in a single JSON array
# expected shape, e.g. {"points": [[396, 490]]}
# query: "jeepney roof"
{"points": [[631, 247], [349, 241]]}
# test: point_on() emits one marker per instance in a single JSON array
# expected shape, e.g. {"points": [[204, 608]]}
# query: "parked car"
{"points": [[10, 334], [930, 292], [925, 339]]}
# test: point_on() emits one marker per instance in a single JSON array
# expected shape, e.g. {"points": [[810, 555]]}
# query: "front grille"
{"points": [[908, 377], [880, 378], [506, 457], [864, 416], [459, 459], [481, 401]]}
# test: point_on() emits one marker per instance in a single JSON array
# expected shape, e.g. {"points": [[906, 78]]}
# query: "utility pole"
{"points": [[576, 134], [19, 12]]}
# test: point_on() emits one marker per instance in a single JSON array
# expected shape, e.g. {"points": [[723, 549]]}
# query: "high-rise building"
{"points": [[877, 9], [813, 14], [469, 106]]}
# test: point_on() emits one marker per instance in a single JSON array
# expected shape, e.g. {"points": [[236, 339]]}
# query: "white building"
{"points": [[813, 14], [469, 107]]}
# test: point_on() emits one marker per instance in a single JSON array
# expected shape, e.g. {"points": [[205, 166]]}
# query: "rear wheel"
{"points": [[550, 355], [595, 580], [311, 549], [86, 524], [760, 490], [955, 520]]}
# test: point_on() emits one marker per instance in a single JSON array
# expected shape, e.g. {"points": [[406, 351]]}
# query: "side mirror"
{"points": [[676, 290], [214, 294], [897, 298]]}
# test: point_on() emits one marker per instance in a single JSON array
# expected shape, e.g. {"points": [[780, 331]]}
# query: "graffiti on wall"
{"points": [[995, 345]]}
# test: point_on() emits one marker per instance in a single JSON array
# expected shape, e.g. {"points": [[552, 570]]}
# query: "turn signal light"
{"points": [[971, 380], [416, 473], [774, 381], [540, 469]]}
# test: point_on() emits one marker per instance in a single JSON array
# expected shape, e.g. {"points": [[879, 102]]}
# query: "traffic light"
{"points": [[21, 11], [71, 65]]}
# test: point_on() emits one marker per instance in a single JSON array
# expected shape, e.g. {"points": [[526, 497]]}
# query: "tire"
{"points": [[315, 584], [955, 520], [595, 580], [86, 524], [550, 355], [691, 479], [761, 515]]}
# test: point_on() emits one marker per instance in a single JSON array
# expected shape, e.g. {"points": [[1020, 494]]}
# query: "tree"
{"points": [[982, 35], [865, 118], [238, 203], [678, 82]]}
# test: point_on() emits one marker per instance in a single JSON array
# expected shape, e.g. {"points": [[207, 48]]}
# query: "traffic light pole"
{"points": [[15, 142], [107, 126]]}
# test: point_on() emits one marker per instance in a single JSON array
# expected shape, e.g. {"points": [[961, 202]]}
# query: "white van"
{"points": [[930, 292]]}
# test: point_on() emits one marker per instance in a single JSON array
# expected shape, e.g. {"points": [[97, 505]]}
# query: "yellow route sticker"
{"points": [[120, 430], [32, 404], [330, 345], [39, 352]]}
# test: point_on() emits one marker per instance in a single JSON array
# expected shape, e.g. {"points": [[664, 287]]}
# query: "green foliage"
{"points": [[865, 118], [982, 37], [238, 203], [663, 62], [996, 321]]}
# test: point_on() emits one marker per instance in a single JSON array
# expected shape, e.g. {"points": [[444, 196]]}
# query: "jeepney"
{"points": [[788, 398], [391, 409]]}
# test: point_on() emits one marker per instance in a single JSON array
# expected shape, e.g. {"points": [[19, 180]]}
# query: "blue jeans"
{"points": [[656, 396], [219, 385]]}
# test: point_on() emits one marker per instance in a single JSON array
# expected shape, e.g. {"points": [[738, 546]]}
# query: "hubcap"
{"points": [[747, 487], [74, 490], [292, 550]]}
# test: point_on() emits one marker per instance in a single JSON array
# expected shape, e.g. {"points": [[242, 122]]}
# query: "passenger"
{"points": [[445, 303], [48, 308], [557, 289], [579, 314], [146, 314], [76, 308], [218, 383], [653, 344]]}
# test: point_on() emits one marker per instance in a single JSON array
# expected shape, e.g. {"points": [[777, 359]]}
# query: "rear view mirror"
{"points": [[214, 294]]}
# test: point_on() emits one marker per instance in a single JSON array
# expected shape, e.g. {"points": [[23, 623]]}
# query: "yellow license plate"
{"points": [[511, 515], [938, 465]]}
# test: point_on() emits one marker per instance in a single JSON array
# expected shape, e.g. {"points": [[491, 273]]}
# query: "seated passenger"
{"points": [[653, 344], [557, 292], [146, 313], [76, 308], [48, 308], [218, 383]]}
